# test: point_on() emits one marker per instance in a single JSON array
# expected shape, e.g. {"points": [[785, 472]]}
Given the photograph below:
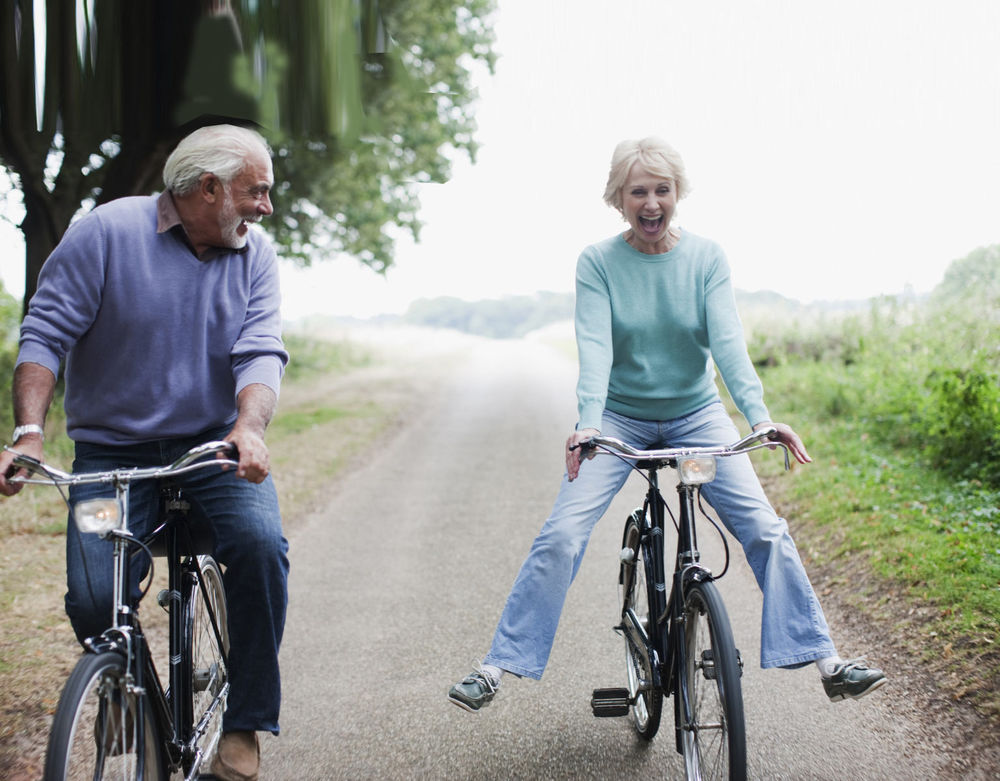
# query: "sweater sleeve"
{"points": [[68, 296], [728, 344], [259, 355], [593, 339]]}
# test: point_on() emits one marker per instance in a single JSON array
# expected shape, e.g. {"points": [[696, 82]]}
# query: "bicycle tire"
{"points": [[646, 699], [713, 737], [95, 723], [206, 668]]}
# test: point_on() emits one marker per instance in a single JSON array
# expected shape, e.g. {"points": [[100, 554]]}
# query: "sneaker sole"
{"points": [[848, 696], [466, 706]]}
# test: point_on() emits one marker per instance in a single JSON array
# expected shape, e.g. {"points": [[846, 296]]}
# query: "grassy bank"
{"points": [[900, 407]]}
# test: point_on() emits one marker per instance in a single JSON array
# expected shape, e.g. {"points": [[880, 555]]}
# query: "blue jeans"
{"points": [[793, 630], [249, 544]]}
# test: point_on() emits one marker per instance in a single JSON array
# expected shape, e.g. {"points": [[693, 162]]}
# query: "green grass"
{"points": [[299, 420], [930, 539], [311, 357], [935, 537]]}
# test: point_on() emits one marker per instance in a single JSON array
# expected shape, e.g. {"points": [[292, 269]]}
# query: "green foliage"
{"points": [[900, 408], [311, 357], [10, 319], [919, 374], [964, 427], [504, 318], [362, 101], [335, 195]]}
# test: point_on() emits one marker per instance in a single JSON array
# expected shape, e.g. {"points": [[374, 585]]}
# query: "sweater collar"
{"points": [[168, 219]]}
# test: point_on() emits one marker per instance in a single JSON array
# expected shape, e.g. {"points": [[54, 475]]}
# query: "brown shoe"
{"points": [[108, 730], [238, 757]]}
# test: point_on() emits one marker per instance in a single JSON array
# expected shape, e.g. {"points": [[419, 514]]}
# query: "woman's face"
{"points": [[648, 203]]}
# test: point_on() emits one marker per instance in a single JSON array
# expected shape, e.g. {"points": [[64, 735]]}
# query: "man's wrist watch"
{"points": [[28, 428]]}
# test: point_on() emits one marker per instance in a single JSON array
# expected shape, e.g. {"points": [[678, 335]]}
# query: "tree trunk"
{"points": [[42, 229]]}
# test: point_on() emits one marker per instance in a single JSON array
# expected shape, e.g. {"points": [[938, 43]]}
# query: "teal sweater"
{"points": [[648, 328]]}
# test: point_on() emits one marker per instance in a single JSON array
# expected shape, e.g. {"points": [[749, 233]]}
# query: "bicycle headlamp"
{"points": [[697, 470], [97, 516]]}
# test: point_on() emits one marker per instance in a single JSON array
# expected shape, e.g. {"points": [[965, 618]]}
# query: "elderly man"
{"points": [[166, 310]]}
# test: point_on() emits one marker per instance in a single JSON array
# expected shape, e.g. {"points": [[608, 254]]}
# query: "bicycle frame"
{"points": [[171, 709], [679, 642], [667, 652]]}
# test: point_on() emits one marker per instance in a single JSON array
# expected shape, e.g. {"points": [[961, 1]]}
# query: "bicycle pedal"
{"points": [[610, 702], [708, 664]]}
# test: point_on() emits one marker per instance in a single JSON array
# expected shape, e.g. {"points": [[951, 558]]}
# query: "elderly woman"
{"points": [[654, 311]]}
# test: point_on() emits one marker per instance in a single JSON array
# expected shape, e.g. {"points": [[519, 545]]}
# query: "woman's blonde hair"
{"points": [[655, 155]]}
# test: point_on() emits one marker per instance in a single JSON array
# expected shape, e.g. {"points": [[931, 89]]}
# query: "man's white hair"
{"points": [[220, 150]]}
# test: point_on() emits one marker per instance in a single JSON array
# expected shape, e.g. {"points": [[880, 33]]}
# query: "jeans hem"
{"points": [[792, 662], [274, 729], [517, 670]]}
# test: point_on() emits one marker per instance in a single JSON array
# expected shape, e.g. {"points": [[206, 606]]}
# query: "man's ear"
{"points": [[210, 187]]}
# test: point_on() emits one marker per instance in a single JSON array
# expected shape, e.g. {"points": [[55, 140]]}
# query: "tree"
{"points": [[361, 102]]}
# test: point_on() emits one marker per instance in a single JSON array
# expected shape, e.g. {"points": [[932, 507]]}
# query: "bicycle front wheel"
{"points": [[207, 645], [94, 730], [710, 700], [646, 699]]}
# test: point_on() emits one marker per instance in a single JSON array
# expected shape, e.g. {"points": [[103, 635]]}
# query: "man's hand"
{"points": [[254, 459], [32, 388], [256, 404], [28, 445], [574, 453]]}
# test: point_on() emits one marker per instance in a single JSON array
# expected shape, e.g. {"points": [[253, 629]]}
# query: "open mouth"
{"points": [[651, 224]]}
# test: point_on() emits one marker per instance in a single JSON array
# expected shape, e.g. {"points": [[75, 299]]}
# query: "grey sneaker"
{"points": [[474, 691], [853, 679]]}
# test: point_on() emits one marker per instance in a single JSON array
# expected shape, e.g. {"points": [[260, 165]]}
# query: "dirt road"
{"points": [[397, 584]]}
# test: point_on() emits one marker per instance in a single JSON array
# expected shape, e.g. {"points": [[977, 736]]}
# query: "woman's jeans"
{"points": [[249, 544], [793, 630]]}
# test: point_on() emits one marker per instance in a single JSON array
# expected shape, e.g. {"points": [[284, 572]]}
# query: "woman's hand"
{"points": [[790, 438], [574, 457]]}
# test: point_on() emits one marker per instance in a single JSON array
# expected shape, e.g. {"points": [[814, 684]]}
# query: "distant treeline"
{"points": [[505, 318], [514, 316]]}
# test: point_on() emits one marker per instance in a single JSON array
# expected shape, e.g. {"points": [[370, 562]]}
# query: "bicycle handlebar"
{"points": [[756, 440], [188, 462]]}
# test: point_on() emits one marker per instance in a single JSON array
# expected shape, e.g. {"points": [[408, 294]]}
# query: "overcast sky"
{"points": [[836, 150]]}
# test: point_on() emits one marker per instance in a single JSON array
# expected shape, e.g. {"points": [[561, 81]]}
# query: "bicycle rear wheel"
{"points": [[93, 733], [710, 700], [646, 699], [208, 653]]}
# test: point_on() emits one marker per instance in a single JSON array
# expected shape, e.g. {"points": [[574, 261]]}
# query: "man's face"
{"points": [[245, 200]]}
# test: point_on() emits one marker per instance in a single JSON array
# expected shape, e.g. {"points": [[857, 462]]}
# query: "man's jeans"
{"points": [[246, 523], [793, 630]]}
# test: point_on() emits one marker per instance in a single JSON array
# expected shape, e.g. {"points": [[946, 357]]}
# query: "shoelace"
{"points": [[861, 663], [484, 680]]}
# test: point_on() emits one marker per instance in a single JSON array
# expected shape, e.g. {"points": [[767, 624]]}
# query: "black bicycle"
{"points": [[679, 644], [115, 719]]}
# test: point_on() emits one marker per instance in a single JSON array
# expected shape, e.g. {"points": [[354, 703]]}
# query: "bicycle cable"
{"points": [[635, 468], [722, 536]]}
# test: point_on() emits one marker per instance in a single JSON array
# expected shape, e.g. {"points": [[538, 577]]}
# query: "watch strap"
{"points": [[28, 428]]}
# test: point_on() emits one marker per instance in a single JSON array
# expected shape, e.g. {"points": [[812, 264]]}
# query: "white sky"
{"points": [[837, 150]]}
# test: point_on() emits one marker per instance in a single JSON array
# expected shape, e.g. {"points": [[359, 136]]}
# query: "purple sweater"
{"points": [[157, 342]]}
